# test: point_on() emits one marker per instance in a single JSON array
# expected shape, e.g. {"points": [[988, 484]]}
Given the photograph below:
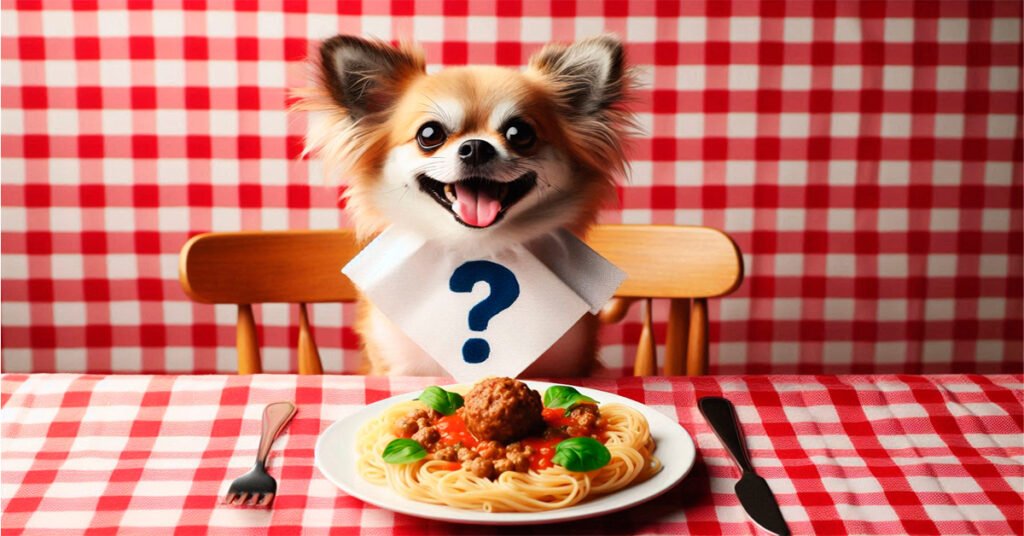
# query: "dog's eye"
{"points": [[519, 134], [430, 136]]}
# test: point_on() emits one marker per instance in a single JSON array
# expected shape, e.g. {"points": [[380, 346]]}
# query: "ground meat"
{"points": [[503, 409], [467, 454], [491, 450], [413, 421], [502, 465], [428, 414], [481, 468], [427, 436], [448, 454], [585, 415], [492, 459], [518, 457], [585, 419], [406, 427], [518, 448]]}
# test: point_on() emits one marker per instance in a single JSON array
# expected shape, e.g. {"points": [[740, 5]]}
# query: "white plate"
{"points": [[336, 459]]}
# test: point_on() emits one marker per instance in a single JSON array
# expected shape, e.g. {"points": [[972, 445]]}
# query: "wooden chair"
{"points": [[686, 265]]}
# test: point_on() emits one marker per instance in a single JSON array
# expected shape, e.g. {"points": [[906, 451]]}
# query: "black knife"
{"points": [[754, 494]]}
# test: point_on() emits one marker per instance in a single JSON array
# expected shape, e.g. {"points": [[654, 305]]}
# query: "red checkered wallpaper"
{"points": [[866, 156]]}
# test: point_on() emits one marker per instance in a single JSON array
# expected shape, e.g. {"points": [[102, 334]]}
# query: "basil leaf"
{"points": [[441, 401], [581, 454], [401, 451], [563, 396]]}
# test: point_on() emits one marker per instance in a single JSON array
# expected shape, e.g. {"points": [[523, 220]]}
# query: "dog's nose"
{"points": [[476, 152]]}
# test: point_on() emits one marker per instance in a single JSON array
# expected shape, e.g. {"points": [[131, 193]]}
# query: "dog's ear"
{"points": [[589, 76], [367, 76]]}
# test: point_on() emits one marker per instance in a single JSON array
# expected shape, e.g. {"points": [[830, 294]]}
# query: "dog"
{"points": [[477, 158]]}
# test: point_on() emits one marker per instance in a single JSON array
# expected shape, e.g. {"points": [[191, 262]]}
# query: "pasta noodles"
{"points": [[628, 439]]}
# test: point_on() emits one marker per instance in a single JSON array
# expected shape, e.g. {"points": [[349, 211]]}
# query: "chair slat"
{"points": [[309, 357], [646, 353], [697, 352], [676, 338], [247, 341]]}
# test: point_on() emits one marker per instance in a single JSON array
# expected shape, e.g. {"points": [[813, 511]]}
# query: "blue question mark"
{"points": [[504, 292]]}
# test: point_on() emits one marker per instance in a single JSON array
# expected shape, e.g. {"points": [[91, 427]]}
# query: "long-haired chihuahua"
{"points": [[476, 158]]}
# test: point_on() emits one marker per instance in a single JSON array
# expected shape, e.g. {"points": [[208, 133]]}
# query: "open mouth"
{"points": [[478, 202]]}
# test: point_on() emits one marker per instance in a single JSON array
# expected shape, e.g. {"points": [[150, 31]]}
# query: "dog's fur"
{"points": [[372, 103]]}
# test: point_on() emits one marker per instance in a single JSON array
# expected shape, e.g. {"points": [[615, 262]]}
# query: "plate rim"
{"points": [[474, 517]]}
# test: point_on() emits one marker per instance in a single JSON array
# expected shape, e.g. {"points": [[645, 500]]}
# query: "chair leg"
{"points": [[309, 358], [646, 358], [246, 341], [697, 353], [676, 337]]}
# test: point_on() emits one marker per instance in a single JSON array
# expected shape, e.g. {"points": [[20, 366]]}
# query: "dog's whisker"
{"points": [[395, 189], [441, 112], [549, 184]]}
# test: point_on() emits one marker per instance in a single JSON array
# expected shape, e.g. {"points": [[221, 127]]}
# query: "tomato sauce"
{"points": [[555, 417], [543, 451], [453, 430]]}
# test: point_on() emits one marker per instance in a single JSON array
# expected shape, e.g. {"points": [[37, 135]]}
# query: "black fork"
{"points": [[257, 488]]}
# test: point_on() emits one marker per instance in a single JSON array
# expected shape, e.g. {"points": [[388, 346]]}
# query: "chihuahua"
{"points": [[477, 158]]}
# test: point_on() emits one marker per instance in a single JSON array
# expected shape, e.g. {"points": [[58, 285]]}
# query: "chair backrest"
{"points": [[684, 264]]}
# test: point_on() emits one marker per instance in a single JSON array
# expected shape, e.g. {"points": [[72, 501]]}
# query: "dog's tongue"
{"points": [[475, 207]]}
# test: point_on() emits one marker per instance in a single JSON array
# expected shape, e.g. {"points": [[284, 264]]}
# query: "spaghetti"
{"points": [[625, 433]]}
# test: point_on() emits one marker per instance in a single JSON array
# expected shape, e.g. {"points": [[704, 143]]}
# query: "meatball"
{"points": [[503, 409]]}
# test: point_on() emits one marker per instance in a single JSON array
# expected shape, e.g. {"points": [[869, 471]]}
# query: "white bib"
{"points": [[491, 315]]}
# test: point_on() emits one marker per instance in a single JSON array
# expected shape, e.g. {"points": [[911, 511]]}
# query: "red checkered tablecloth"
{"points": [[843, 454], [864, 155]]}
